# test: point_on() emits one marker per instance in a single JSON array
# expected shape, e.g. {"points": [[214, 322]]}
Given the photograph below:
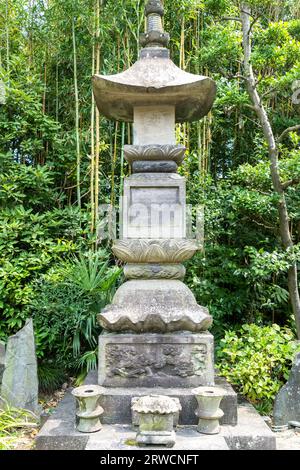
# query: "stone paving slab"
{"points": [[120, 437], [288, 440], [59, 433]]}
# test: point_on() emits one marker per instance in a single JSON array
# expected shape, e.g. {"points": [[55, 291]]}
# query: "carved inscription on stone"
{"points": [[168, 360]]}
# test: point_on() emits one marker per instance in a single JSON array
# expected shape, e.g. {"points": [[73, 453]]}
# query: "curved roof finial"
{"points": [[154, 35]]}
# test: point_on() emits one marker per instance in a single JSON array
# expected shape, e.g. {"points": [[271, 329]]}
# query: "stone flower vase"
{"points": [[156, 420], [208, 412], [88, 411]]}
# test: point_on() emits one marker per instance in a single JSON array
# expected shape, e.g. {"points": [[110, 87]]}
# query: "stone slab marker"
{"points": [[155, 334], [20, 381], [2, 359], [287, 402]]}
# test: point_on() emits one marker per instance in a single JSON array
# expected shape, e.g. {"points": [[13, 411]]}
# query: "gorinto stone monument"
{"points": [[155, 334]]}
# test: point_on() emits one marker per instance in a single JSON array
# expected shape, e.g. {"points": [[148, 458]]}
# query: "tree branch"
{"points": [[287, 131], [230, 18], [266, 93], [291, 182]]}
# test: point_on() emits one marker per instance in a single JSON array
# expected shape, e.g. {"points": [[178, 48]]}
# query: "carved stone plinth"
{"points": [[160, 306], [145, 250], [153, 153], [154, 271], [156, 360]]}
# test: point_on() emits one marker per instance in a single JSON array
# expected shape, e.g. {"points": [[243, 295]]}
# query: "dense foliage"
{"points": [[59, 160], [257, 360]]}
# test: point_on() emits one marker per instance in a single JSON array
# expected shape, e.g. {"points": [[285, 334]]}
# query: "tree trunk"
{"points": [[262, 115]]}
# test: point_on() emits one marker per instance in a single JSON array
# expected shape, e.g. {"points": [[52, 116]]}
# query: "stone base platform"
{"points": [[59, 433], [116, 403]]}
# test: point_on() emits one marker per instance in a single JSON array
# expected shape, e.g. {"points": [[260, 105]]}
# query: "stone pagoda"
{"points": [[155, 337], [156, 366]]}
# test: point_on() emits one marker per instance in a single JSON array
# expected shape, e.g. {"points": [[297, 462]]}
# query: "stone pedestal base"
{"points": [[156, 360], [154, 305], [59, 433], [117, 402]]}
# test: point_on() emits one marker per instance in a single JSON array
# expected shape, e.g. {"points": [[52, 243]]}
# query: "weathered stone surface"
{"points": [[294, 424], [154, 271], [251, 432], [154, 6], [156, 404], [59, 433], [135, 417], [88, 410], [155, 82], [208, 412], [2, 360], [20, 382], [154, 167], [117, 402], [153, 124], [153, 206], [155, 251], [159, 306], [154, 53], [156, 419], [153, 38], [287, 402], [170, 153], [155, 360]]}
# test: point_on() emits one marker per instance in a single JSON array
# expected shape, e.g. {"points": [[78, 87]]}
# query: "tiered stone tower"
{"points": [[155, 337]]}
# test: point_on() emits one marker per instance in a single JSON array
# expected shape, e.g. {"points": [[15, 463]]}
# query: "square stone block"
{"points": [[156, 360], [154, 206], [153, 125]]}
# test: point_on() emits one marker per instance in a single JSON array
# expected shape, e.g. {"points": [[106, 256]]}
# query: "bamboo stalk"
{"points": [[122, 159], [97, 148], [78, 156], [92, 164], [113, 166], [7, 39], [56, 90]]}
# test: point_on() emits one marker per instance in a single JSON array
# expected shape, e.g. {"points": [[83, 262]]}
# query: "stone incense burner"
{"points": [[156, 420]]}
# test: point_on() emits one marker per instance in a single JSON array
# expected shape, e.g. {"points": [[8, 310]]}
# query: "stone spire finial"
{"points": [[154, 35]]}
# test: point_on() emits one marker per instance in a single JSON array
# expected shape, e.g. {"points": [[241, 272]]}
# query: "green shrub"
{"points": [[65, 306], [51, 376], [30, 245], [257, 360]]}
